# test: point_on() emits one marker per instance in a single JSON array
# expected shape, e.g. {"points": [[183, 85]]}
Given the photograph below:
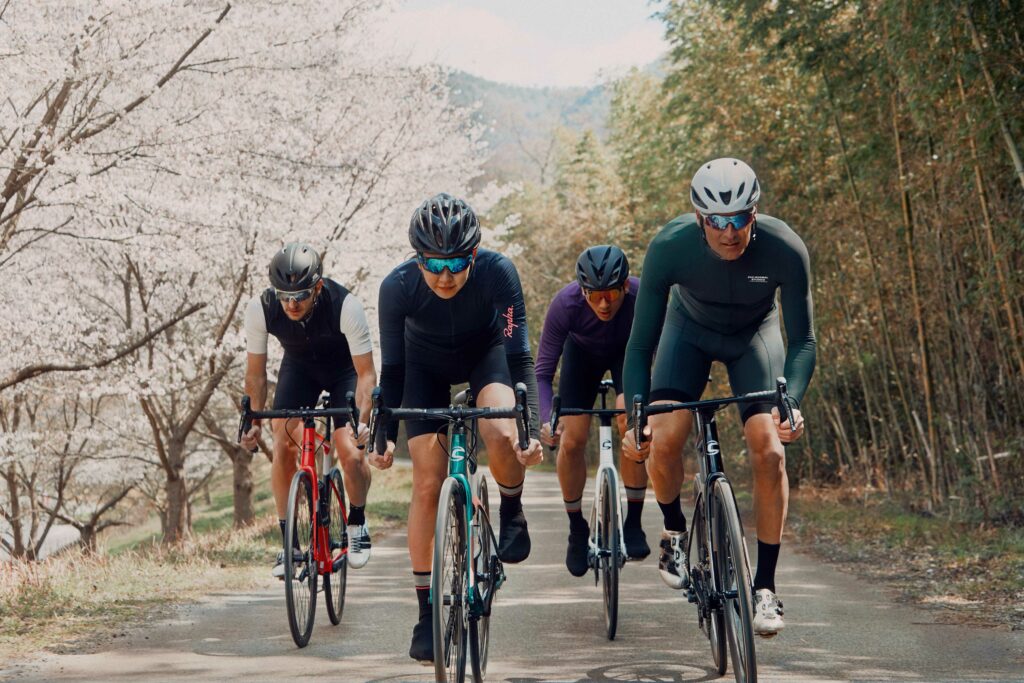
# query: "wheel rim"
{"points": [[610, 559], [732, 568], [480, 630], [450, 662], [336, 581], [300, 572]]}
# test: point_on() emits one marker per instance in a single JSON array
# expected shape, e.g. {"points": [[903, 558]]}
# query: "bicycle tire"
{"points": [[480, 628], [610, 551], [336, 582], [448, 584], [733, 569], [715, 619], [300, 574]]}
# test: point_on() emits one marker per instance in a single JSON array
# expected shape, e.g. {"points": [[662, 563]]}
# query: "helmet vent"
{"points": [[697, 200], [726, 196]]}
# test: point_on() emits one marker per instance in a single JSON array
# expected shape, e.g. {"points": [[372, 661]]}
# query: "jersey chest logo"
{"points": [[758, 279]]}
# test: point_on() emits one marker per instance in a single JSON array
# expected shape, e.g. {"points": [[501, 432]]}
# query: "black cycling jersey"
{"points": [[417, 325]]}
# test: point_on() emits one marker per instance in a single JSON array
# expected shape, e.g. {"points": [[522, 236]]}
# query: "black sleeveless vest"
{"points": [[318, 338]]}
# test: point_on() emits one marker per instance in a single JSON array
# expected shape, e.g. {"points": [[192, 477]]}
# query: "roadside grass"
{"points": [[76, 600], [971, 572]]}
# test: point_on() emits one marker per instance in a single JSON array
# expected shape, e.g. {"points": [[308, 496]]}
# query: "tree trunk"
{"points": [[177, 525], [245, 514], [927, 435]]}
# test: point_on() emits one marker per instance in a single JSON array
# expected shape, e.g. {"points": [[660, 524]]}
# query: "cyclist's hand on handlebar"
{"points": [[383, 461], [250, 440], [363, 434], [785, 434], [549, 440], [531, 456], [629, 448]]}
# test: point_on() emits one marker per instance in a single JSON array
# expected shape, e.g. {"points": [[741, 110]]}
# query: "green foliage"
{"points": [[884, 133]]}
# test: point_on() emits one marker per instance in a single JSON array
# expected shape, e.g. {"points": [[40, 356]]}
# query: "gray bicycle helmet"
{"points": [[295, 267], [444, 225], [602, 267]]}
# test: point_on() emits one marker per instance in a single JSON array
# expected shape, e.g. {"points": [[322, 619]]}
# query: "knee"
{"points": [[427, 486], [768, 458], [572, 446]]}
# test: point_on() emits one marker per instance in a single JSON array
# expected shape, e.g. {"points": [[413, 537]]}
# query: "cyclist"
{"points": [[587, 325], [326, 341], [718, 270], [452, 314]]}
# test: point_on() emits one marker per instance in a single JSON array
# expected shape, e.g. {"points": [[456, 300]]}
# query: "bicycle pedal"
{"points": [[691, 596]]}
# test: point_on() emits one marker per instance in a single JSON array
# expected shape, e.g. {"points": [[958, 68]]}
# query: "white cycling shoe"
{"points": [[671, 564], [358, 545], [767, 613]]}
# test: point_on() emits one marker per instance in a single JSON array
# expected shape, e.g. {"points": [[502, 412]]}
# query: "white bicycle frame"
{"points": [[606, 463]]}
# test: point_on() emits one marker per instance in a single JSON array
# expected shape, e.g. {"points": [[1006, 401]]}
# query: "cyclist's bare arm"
{"points": [[256, 379]]}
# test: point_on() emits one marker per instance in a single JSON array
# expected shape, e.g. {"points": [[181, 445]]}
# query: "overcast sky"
{"points": [[529, 42]]}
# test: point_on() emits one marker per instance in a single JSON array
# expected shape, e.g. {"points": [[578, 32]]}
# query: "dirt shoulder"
{"points": [[969, 573]]}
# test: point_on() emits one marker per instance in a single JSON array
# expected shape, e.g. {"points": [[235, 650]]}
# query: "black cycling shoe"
{"points": [[636, 543], [576, 560], [514, 538], [422, 647]]}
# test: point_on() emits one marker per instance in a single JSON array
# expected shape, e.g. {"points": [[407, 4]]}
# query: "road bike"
{"points": [[717, 565], [607, 549], [466, 571], [317, 518]]}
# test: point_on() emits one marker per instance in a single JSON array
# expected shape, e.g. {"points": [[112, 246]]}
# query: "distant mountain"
{"points": [[520, 121]]}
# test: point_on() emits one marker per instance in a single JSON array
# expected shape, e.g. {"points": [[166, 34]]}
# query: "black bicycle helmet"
{"points": [[602, 267], [444, 225], [297, 266]]}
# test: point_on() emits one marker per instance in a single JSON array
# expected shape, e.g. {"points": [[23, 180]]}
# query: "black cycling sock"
{"points": [[675, 520], [767, 559], [423, 592], [356, 514], [284, 524], [576, 522], [511, 500], [634, 509]]}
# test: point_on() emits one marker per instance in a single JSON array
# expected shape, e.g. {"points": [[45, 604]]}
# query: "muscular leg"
{"points": [[571, 462], [429, 469], [771, 493], [508, 472], [285, 462], [665, 465], [354, 465], [572, 476], [634, 474], [634, 479]]}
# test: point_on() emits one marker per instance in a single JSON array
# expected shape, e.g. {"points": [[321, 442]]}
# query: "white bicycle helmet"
{"points": [[724, 186]]}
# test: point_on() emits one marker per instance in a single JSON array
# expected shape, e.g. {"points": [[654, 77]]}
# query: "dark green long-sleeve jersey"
{"points": [[728, 297]]}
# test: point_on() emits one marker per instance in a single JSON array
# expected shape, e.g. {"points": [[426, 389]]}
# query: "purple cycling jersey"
{"points": [[569, 315]]}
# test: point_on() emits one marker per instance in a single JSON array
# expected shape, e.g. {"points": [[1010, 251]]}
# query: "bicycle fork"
{"points": [[606, 462]]}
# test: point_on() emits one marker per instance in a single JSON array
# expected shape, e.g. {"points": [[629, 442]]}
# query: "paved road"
{"points": [[548, 626]]}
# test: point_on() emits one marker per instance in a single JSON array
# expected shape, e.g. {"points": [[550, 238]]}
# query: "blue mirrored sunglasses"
{"points": [[738, 222], [454, 264]]}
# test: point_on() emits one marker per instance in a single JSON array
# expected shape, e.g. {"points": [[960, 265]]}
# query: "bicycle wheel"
{"points": [[337, 541], [700, 576], [448, 584], [610, 551], [483, 552], [733, 569], [300, 572]]}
